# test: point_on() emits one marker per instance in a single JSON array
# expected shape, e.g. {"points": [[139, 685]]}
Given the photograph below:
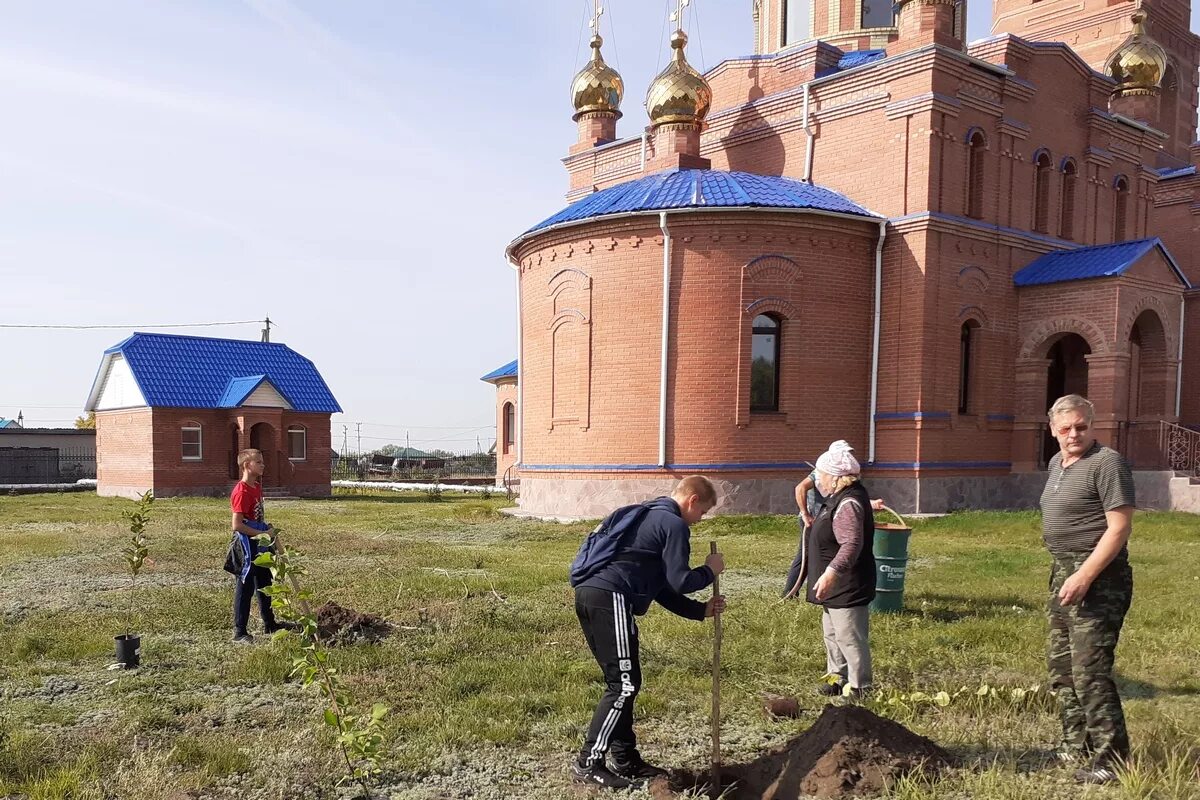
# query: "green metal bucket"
{"points": [[891, 563]]}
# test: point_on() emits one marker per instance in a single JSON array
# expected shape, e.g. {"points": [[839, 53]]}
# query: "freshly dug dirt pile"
{"points": [[339, 625], [848, 751]]}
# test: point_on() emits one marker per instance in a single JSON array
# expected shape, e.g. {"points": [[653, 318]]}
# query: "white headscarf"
{"points": [[838, 460]]}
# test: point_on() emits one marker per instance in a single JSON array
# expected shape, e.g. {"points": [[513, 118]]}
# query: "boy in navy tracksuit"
{"points": [[652, 566]]}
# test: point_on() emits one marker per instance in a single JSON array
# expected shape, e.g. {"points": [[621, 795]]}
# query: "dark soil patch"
{"points": [[848, 751], [339, 625]]}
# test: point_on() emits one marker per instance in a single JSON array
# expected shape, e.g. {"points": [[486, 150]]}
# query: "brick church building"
{"points": [[870, 230]]}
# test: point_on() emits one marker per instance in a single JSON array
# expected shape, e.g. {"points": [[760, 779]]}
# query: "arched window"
{"points": [[968, 343], [192, 441], [297, 438], [976, 150], [509, 434], [1041, 193], [1066, 221], [764, 364], [1120, 208]]}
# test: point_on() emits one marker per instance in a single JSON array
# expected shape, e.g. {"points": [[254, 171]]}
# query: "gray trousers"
{"points": [[847, 649]]}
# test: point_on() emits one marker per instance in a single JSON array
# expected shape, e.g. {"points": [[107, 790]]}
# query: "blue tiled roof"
{"points": [[1102, 261], [1175, 172], [8, 423], [509, 370], [856, 58], [196, 372], [702, 188]]}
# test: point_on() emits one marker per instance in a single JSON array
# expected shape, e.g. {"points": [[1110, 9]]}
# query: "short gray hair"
{"points": [[1073, 402]]}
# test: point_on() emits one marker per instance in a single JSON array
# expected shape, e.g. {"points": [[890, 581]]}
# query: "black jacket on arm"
{"points": [[654, 565]]}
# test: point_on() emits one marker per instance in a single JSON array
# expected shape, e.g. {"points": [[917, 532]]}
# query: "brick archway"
{"points": [[1037, 342]]}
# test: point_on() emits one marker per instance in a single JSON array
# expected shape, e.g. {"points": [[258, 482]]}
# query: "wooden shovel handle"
{"points": [[716, 690]]}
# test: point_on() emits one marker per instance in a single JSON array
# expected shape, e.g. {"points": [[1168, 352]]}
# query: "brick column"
{"points": [[1029, 401], [1108, 379]]}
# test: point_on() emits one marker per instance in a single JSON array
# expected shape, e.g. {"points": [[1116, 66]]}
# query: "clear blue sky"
{"points": [[354, 169]]}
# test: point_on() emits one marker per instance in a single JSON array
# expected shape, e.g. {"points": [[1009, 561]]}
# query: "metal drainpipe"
{"points": [[1179, 366], [666, 322], [875, 338], [809, 136], [520, 356], [644, 135]]}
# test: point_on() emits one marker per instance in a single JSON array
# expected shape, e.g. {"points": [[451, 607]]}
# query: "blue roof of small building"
{"points": [[1175, 172], [197, 372], [11, 423], [702, 188], [1101, 261], [509, 370]]}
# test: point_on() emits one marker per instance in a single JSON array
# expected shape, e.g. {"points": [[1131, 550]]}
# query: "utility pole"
{"points": [[358, 426], [345, 430], [266, 334]]}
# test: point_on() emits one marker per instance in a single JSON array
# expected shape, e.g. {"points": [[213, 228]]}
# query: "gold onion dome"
{"points": [[598, 87], [679, 95], [1139, 63]]}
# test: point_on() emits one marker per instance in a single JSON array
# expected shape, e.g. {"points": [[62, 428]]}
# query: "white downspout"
{"points": [[809, 136], [1179, 366], [666, 322], [875, 338], [644, 135], [520, 355]]}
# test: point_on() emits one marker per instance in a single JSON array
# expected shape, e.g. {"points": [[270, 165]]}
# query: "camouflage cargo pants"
{"points": [[1083, 639]]}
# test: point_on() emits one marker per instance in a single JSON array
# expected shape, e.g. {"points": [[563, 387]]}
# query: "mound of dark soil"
{"points": [[339, 625], [848, 751]]}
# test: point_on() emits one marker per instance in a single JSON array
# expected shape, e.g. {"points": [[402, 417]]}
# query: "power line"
{"points": [[146, 327]]}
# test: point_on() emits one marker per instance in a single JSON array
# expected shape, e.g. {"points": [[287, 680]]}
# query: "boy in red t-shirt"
{"points": [[249, 580]]}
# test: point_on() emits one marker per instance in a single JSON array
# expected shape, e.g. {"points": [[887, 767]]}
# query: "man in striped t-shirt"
{"points": [[1087, 515]]}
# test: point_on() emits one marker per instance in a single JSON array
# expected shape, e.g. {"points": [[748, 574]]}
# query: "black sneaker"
{"points": [[637, 769], [1096, 774], [598, 775], [831, 686], [291, 627], [243, 638]]}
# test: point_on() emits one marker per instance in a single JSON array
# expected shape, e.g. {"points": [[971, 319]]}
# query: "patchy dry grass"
{"points": [[489, 679]]}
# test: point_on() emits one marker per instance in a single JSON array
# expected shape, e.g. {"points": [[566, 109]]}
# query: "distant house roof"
{"points": [[682, 189], [197, 372], [509, 370], [12, 423], [1102, 261]]}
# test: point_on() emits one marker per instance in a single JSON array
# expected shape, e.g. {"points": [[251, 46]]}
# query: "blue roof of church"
{"points": [[196, 372], [509, 370], [702, 188], [1175, 172], [1102, 261], [856, 58]]}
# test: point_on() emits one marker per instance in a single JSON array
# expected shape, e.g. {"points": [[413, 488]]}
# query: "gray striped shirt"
{"points": [[1075, 499]]}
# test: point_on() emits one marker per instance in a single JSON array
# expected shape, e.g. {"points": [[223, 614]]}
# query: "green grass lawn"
{"points": [[490, 682]]}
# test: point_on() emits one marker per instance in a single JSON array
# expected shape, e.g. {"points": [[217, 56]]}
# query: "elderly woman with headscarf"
{"points": [[841, 570]]}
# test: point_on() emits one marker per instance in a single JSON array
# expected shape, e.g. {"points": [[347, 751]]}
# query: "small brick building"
{"points": [[173, 412], [869, 230]]}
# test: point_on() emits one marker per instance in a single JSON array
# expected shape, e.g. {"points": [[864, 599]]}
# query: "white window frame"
{"points": [[183, 444], [303, 431]]}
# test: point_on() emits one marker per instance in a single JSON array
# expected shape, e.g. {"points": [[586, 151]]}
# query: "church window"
{"points": [[191, 444], [764, 364], [510, 428], [1120, 208], [297, 438], [877, 14], [967, 344], [1066, 224], [797, 21], [1041, 193], [976, 149]]}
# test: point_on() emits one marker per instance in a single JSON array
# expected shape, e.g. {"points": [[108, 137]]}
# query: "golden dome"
{"points": [[1139, 63], [679, 94], [598, 87]]}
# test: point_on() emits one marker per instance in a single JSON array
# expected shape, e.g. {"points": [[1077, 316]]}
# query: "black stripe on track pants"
{"points": [[611, 633]]}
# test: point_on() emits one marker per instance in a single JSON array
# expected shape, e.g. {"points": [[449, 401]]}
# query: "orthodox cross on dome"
{"points": [[594, 24], [677, 14]]}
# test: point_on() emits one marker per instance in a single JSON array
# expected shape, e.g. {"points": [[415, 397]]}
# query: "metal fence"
{"points": [[21, 465], [474, 468]]}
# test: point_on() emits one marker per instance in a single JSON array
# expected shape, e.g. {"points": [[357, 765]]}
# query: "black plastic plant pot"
{"points": [[129, 650]]}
